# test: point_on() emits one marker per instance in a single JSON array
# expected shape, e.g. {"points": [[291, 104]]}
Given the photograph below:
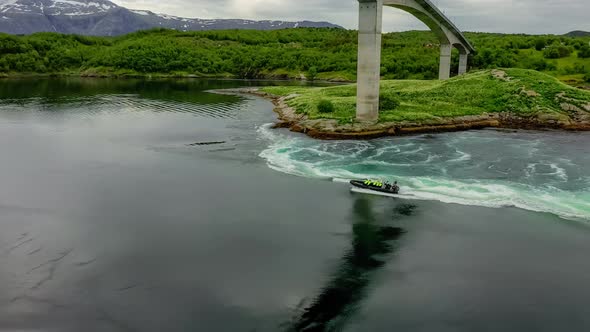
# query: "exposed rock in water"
{"points": [[206, 143]]}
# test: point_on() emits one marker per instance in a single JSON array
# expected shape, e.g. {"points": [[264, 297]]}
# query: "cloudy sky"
{"points": [[510, 16]]}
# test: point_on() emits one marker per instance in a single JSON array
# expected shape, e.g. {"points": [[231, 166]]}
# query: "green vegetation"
{"points": [[557, 52], [387, 102], [519, 91], [316, 53], [312, 73], [325, 106], [584, 52]]}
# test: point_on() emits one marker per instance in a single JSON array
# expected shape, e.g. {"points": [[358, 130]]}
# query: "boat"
{"points": [[375, 186]]}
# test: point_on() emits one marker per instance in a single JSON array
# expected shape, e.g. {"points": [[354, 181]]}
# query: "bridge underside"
{"points": [[369, 56]]}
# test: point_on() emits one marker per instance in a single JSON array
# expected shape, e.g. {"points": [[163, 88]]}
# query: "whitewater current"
{"points": [[537, 171]]}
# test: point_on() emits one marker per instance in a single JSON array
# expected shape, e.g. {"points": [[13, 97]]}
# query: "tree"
{"points": [[312, 73], [564, 51], [259, 54], [551, 52], [4, 67], [584, 52], [538, 64], [540, 44]]}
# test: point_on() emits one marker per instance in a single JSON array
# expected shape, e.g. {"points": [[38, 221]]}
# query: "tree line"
{"points": [[316, 53]]}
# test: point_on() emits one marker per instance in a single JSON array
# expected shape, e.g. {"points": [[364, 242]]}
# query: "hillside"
{"points": [[105, 18], [578, 33], [328, 54], [510, 98]]}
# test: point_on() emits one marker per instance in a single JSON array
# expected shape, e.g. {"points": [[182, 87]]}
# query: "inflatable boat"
{"points": [[375, 186]]}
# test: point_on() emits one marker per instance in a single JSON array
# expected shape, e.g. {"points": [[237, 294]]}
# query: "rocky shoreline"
{"points": [[331, 129]]}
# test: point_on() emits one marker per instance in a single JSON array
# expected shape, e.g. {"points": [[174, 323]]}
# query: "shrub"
{"points": [[587, 77], [567, 70], [312, 73], [388, 102], [551, 53], [540, 44], [578, 45], [565, 51], [579, 68], [4, 67], [325, 106], [536, 63], [557, 51], [584, 52]]}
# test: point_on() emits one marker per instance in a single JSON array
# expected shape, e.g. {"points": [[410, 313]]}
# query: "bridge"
{"points": [[369, 44]]}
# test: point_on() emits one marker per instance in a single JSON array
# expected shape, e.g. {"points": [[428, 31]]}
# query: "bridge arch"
{"points": [[369, 56]]}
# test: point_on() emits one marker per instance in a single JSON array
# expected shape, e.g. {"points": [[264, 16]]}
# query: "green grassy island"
{"points": [[509, 98]]}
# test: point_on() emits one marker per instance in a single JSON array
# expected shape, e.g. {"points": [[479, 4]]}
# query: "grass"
{"points": [[570, 70], [562, 65], [472, 94], [571, 61]]}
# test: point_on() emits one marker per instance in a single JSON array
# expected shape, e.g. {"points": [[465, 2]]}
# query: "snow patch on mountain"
{"points": [[142, 12], [73, 7], [56, 7], [5, 4], [103, 17]]}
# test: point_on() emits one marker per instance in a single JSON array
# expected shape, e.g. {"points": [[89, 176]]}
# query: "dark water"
{"points": [[112, 219]]}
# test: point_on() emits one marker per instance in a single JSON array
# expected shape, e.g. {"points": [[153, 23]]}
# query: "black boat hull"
{"points": [[362, 185]]}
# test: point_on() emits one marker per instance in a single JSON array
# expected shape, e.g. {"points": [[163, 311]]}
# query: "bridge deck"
{"points": [[440, 17], [436, 13]]}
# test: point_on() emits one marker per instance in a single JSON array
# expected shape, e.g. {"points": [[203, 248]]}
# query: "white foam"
{"points": [[340, 180], [558, 172], [463, 156], [487, 193], [419, 149]]}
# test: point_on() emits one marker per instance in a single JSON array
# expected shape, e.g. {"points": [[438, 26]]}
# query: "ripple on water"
{"points": [[116, 104]]}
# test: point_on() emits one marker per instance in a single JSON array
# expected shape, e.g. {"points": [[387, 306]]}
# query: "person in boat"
{"points": [[395, 188]]}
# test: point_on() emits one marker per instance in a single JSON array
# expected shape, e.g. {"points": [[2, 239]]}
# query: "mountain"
{"points": [[104, 18], [578, 33]]}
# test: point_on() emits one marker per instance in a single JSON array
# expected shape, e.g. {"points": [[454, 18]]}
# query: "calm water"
{"points": [[113, 217]]}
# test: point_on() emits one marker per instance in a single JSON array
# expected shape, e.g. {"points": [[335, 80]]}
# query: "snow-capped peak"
{"points": [[102, 17], [56, 7]]}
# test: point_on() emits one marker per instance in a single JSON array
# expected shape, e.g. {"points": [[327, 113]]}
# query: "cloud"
{"points": [[508, 16]]}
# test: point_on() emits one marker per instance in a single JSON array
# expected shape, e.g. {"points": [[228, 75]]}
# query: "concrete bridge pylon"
{"points": [[369, 47]]}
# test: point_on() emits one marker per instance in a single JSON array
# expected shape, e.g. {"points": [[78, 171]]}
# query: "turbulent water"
{"points": [[538, 171]]}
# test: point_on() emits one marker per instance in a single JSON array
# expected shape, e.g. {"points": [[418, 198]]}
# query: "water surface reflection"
{"points": [[373, 243]]}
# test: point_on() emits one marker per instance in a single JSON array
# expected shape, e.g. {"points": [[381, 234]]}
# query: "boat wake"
{"points": [[463, 168]]}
